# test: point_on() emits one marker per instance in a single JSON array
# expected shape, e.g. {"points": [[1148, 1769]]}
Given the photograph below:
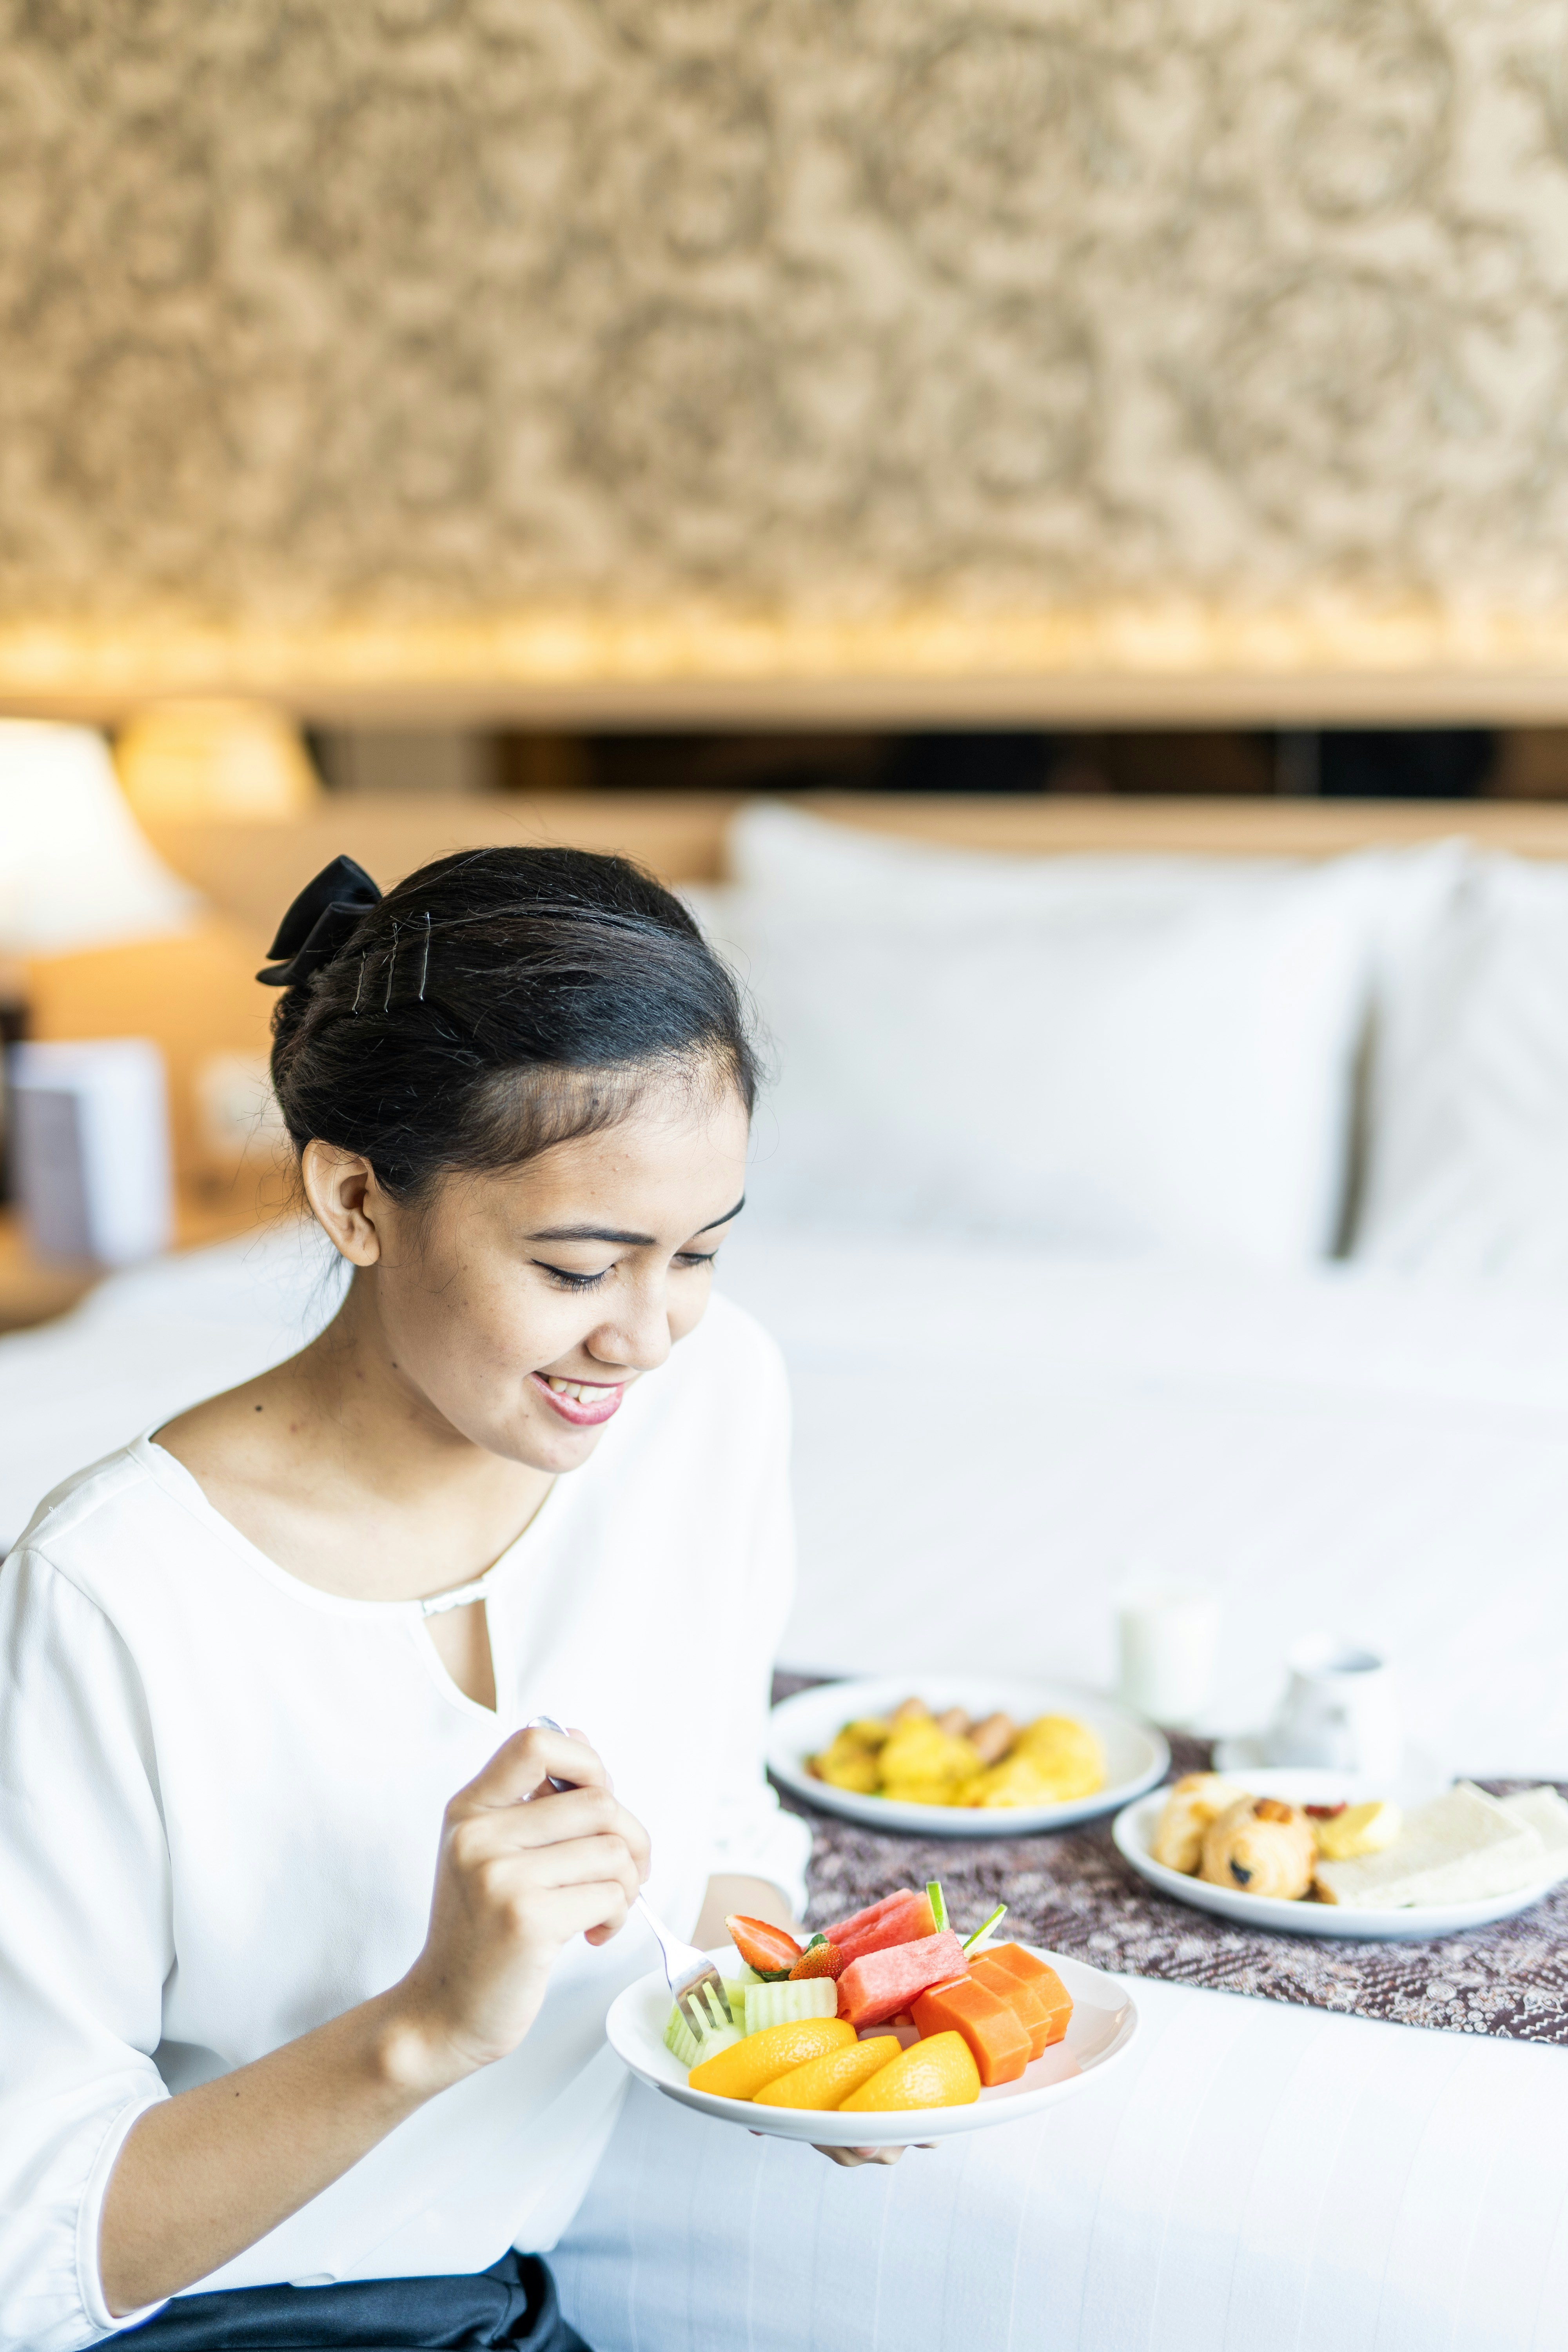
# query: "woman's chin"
{"points": [[553, 1448]]}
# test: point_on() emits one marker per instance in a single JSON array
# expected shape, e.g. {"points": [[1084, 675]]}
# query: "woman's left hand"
{"points": [[851, 2156]]}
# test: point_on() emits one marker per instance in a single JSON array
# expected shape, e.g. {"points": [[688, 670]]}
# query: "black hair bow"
{"points": [[320, 920]]}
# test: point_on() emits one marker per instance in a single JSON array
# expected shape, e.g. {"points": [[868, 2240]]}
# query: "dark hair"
{"points": [[498, 1002]]}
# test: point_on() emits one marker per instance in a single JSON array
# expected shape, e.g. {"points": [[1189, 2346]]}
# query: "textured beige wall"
{"points": [[788, 309]]}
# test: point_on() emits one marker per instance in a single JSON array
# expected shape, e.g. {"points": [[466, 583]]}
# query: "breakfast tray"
{"points": [[1071, 1891]]}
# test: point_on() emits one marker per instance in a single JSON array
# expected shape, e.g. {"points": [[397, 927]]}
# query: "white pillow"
{"points": [[772, 847], [1467, 1152], [1121, 1077], [75, 871]]}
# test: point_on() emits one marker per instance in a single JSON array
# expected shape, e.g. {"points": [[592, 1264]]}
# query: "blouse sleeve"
{"points": [[84, 1947], [753, 1836]]}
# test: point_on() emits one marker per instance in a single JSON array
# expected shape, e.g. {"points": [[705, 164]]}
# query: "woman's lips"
{"points": [[592, 1404]]}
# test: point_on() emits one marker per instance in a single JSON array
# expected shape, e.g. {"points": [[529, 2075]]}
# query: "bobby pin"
{"points": [[359, 990], [391, 967], [424, 959]]}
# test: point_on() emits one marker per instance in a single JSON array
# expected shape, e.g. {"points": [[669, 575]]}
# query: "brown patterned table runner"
{"points": [[1072, 1891]]}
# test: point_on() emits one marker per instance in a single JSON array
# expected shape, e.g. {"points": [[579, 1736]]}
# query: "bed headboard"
{"points": [[196, 994], [251, 871]]}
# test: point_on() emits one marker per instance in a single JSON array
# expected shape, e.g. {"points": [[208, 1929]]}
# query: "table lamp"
{"points": [[215, 759], [86, 1124], [75, 868]]}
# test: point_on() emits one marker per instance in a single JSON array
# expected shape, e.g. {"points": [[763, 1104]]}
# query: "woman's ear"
{"points": [[346, 1199]]}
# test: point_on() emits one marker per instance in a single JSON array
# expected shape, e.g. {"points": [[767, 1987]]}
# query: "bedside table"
{"points": [[33, 1290]]}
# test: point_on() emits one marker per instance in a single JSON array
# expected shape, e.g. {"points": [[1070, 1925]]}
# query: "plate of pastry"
{"points": [[962, 1755], [1296, 1853]]}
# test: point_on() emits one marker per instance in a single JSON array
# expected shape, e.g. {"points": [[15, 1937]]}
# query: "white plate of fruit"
{"points": [[962, 1755], [884, 2030]]}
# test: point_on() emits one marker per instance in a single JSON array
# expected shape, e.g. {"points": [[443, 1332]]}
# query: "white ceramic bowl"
{"points": [[1134, 1827], [1103, 2022], [1135, 1754]]}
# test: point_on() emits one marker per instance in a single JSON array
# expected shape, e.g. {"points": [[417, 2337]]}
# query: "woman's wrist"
{"points": [[419, 2051], [414, 2056]]}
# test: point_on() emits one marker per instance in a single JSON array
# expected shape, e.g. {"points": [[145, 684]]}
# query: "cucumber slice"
{"points": [[785, 2004], [689, 2048], [680, 2040], [735, 1989], [986, 1926], [938, 1901]]}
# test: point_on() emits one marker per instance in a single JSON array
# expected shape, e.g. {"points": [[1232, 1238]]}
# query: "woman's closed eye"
{"points": [[566, 1280]]}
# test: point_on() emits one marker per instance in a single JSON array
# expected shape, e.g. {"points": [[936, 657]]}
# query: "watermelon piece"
{"points": [[997, 2037], [907, 1920], [859, 1919], [879, 1983]]}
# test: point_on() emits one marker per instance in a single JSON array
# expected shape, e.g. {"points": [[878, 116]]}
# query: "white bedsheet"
{"points": [[1254, 2178], [985, 1442]]}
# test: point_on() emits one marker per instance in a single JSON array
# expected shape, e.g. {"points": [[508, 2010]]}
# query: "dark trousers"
{"points": [[512, 2304]]}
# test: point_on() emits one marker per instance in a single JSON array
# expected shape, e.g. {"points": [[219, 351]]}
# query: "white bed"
{"points": [[986, 1438]]}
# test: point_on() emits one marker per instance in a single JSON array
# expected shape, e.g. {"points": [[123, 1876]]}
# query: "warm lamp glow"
{"points": [[215, 759], [75, 872]]}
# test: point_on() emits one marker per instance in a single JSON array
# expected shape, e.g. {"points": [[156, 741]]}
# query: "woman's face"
{"points": [[518, 1308]]}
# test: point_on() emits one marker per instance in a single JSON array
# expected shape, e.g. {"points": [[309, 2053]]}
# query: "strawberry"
{"points": [[762, 1946], [820, 1959]]}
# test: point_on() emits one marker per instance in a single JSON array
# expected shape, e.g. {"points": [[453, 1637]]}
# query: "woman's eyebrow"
{"points": [[632, 1241], [591, 1234]]}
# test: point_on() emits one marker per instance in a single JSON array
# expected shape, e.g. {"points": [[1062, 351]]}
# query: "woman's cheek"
{"points": [[688, 1302]]}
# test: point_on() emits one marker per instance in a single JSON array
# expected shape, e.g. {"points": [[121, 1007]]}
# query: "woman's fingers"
{"points": [[554, 1823], [581, 1862], [523, 1764]]}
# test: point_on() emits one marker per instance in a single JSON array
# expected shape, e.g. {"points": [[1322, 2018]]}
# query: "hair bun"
{"points": [[326, 911]]}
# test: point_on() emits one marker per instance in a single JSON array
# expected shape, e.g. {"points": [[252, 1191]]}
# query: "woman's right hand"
{"points": [[522, 1869]]}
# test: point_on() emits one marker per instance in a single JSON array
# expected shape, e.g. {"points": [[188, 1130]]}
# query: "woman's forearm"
{"points": [[206, 2174]]}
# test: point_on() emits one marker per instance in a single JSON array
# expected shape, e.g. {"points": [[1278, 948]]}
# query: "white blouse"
{"points": [[221, 1792]]}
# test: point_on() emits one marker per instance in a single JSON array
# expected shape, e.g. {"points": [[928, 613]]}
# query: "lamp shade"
{"points": [[215, 759], [74, 870]]}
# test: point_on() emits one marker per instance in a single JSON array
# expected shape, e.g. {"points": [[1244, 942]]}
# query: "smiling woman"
{"points": [[251, 1657]]}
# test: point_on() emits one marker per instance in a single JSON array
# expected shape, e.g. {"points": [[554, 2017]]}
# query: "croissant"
{"points": [[1261, 1846], [1196, 1799]]}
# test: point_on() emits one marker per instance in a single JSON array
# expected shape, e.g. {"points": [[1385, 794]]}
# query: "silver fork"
{"points": [[695, 1983]]}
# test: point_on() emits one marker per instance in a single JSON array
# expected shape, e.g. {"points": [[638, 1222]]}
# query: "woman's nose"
{"points": [[639, 1336]]}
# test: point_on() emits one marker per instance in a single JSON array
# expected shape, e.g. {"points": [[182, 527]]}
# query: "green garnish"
{"points": [[938, 1901], [986, 1926]]}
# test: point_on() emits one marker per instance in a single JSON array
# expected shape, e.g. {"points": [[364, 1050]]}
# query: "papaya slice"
{"points": [[740, 2072], [939, 2072], [1041, 2000], [825, 2082], [998, 2038]]}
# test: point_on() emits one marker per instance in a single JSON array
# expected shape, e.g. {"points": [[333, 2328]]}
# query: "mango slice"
{"points": [[939, 2071], [826, 2082], [740, 2072]]}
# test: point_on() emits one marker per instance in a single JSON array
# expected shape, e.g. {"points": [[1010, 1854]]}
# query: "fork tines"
{"points": [[704, 2004]]}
